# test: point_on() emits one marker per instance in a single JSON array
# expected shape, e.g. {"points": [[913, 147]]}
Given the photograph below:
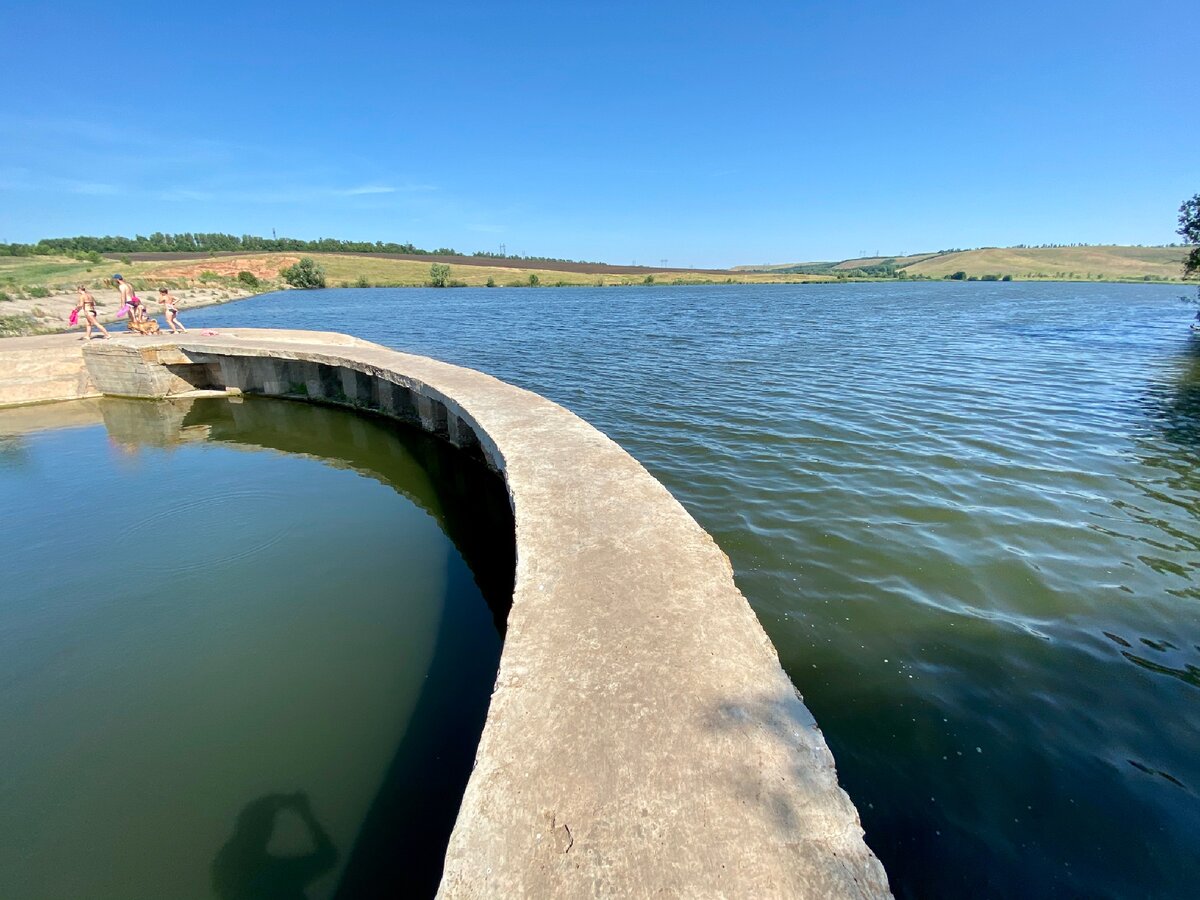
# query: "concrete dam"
{"points": [[642, 738]]}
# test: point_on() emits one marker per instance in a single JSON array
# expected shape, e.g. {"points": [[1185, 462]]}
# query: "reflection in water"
{"points": [[1175, 403], [306, 628], [469, 500], [13, 453], [245, 869]]}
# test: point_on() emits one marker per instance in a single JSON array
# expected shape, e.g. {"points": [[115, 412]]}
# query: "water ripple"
{"points": [[966, 514]]}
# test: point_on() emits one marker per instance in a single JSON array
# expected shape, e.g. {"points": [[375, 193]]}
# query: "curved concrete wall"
{"points": [[642, 738]]}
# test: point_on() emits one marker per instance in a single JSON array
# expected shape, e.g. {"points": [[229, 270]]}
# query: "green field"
{"points": [[1091, 263], [25, 277], [22, 274], [1100, 263]]}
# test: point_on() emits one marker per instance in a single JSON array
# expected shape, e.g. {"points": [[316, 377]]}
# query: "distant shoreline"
{"points": [[28, 306]]}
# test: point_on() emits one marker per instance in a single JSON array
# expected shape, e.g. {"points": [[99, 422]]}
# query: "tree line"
{"points": [[200, 242]]}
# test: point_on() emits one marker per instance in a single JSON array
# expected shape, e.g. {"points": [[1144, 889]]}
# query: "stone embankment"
{"points": [[642, 739]]}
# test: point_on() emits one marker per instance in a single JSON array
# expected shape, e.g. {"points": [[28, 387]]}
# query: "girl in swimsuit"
{"points": [[87, 306], [172, 311]]}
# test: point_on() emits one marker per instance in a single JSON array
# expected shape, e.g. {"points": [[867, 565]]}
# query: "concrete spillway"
{"points": [[642, 738]]}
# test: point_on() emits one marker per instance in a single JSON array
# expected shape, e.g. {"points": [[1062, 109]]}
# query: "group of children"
{"points": [[139, 320]]}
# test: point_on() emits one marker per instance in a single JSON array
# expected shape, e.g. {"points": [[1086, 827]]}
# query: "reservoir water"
{"points": [[967, 515], [246, 649]]}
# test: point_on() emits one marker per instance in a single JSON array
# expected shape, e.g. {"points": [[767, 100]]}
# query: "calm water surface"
{"points": [[965, 513], [244, 650]]}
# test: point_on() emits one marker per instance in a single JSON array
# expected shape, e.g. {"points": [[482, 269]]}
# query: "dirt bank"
{"points": [[49, 314]]}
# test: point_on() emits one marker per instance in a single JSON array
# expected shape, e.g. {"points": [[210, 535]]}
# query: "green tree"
{"points": [[1189, 230], [249, 279], [362, 282], [491, 282], [534, 281], [304, 274], [439, 275]]}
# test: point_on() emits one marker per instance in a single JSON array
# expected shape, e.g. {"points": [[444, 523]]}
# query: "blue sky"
{"points": [[699, 133]]}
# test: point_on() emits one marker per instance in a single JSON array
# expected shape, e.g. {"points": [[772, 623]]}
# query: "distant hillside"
{"points": [[1104, 263]]}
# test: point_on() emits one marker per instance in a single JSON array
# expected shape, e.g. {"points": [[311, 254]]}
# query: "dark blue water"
{"points": [[965, 513]]}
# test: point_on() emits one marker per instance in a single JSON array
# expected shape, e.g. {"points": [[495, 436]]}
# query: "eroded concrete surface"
{"points": [[643, 739]]}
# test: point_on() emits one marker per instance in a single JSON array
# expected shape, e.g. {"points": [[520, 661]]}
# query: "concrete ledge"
{"points": [[642, 739], [43, 369]]}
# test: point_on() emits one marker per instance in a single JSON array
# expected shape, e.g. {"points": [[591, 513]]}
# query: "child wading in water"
{"points": [[171, 309], [87, 306]]}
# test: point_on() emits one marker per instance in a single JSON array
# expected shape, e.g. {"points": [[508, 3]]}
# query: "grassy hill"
{"points": [[25, 277], [1100, 263]]}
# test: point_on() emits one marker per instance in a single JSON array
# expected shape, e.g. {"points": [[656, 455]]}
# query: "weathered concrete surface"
{"points": [[42, 369], [642, 739]]}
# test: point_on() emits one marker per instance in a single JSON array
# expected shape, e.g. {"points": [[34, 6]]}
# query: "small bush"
{"points": [[126, 260], [10, 326], [649, 279], [249, 279], [38, 291], [209, 275], [439, 275], [491, 282], [534, 281], [958, 276], [990, 278], [304, 274], [5, 297], [454, 282], [1006, 278], [362, 282]]}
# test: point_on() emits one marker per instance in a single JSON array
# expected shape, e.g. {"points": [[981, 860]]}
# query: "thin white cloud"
{"points": [[184, 195], [21, 179], [365, 189], [14, 178], [91, 188], [294, 194]]}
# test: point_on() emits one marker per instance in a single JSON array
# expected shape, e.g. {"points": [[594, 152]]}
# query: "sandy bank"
{"points": [[50, 314]]}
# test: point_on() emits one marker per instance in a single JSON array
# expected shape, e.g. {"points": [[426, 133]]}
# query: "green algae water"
{"points": [[246, 649], [968, 516]]}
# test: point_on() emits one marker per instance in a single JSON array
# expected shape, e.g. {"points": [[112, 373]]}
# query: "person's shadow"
{"points": [[244, 868]]}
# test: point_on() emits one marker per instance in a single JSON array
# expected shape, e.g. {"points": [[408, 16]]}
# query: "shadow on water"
{"points": [[400, 845], [245, 869], [393, 849]]}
